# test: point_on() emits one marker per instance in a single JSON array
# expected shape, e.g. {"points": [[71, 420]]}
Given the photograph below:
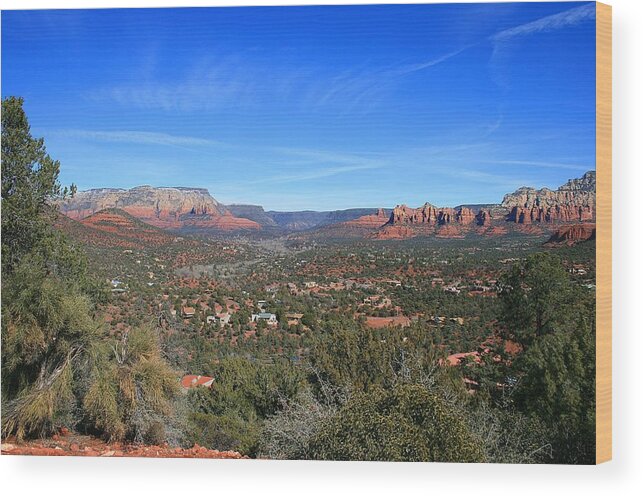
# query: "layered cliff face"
{"points": [[528, 210], [173, 208], [429, 215], [447, 222], [484, 217], [573, 201], [572, 234]]}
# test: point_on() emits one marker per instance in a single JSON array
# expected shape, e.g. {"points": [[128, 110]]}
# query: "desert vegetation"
{"points": [[460, 350]]}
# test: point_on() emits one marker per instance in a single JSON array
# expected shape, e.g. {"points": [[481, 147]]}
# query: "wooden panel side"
{"points": [[603, 232]]}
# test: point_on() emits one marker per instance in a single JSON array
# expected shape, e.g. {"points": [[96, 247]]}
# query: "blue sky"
{"points": [[312, 107]]}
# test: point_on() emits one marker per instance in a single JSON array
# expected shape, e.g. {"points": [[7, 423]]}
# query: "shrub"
{"points": [[406, 423], [155, 433], [131, 387], [224, 432]]}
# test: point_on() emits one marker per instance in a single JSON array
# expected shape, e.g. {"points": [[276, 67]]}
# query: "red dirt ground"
{"points": [[76, 445]]}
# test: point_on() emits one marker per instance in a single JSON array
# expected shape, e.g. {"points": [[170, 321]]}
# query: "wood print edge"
{"points": [[603, 232]]}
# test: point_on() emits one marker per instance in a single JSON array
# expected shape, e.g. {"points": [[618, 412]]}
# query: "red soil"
{"points": [[74, 445], [381, 322]]}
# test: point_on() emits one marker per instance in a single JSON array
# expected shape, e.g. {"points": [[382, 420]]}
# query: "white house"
{"points": [[269, 318]]}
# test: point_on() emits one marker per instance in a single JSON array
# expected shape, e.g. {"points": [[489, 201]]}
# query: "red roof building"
{"points": [[190, 381]]}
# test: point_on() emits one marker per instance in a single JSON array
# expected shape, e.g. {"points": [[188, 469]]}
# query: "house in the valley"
{"points": [[262, 305], [187, 312], [223, 318], [294, 318], [269, 318], [191, 381], [220, 319]]}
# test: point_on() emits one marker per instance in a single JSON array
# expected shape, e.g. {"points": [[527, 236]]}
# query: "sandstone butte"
{"points": [[572, 234], [75, 445], [574, 201], [169, 208], [405, 222], [431, 215], [530, 210]]}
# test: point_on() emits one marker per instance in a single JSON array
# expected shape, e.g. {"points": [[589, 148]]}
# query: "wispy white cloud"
{"points": [[410, 68], [503, 41], [240, 83], [319, 164], [365, 87], [549, 23], [135, 137], [326, 156], [309, 174]]}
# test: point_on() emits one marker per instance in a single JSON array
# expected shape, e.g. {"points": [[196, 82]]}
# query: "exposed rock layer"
{"points": [[574, 201], [173, 208], [570, 235]]}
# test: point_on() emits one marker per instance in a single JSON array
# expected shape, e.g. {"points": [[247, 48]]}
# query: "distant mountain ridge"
{"points": [[309, 219], [255, 213], [299, 220], [195, 210]]}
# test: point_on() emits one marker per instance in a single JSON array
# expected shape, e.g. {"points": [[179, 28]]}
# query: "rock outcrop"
{"points": [[572, 234], [574, 201], [484, 218], [527, 211], [369, 221], [169, 208], [431, 215]]}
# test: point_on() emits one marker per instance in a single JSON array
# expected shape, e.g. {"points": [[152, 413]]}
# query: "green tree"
{"points": [[243, 394], [535, 296], [58, 368], [29, 185], [405, 423], [558, 386], [553, 319], [47, 329]]}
